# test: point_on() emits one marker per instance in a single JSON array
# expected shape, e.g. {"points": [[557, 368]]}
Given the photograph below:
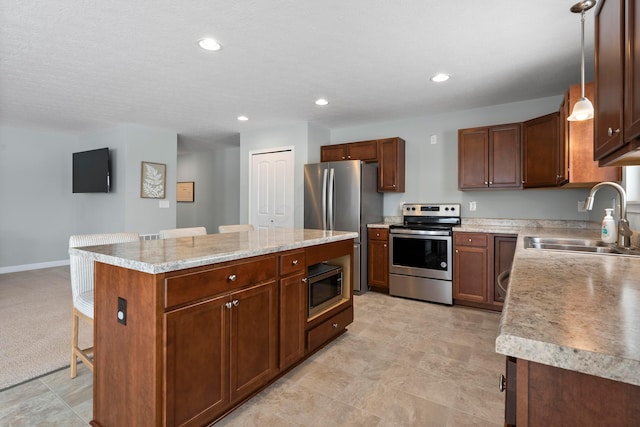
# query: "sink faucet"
{"points": [[624, 232]]}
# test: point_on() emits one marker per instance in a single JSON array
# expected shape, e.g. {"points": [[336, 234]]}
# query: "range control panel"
{"points": [[418, 209]]}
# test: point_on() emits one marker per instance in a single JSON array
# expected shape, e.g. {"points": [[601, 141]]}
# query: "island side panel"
{"points": [[127, 373]]}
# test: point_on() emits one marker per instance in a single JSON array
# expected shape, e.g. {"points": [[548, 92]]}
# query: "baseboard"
{"points": [[36, 266]]}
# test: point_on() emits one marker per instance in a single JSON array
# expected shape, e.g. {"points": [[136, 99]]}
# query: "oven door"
{"points": [[420, 253]]}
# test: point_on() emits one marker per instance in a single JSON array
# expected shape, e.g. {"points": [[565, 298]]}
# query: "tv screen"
{"points": [[91, 171]]}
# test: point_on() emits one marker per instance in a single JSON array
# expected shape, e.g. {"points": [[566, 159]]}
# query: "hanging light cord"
{"points": [[582, 50]]}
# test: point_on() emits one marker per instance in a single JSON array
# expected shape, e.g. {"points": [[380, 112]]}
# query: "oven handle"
{"points": [[420, 232]]}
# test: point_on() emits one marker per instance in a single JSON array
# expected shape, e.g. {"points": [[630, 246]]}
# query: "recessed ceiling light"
{"points": [[209, 44], [441, 77], [243, 118], [322, 101]]}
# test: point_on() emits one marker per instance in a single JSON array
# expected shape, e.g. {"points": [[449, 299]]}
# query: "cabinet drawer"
{"points": [[471, 239], [293, 262], [378, 234], [328, 329], [206, 283]]}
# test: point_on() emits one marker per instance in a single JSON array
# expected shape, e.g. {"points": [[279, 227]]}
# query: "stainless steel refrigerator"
{"points": [[343, 196]]}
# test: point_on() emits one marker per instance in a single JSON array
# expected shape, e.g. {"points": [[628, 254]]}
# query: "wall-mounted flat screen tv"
{"points": [[91, 171]]}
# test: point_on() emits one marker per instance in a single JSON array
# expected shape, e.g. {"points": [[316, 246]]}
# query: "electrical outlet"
{"points": [[472, 206], [434, 139], [122, 311], [581, 206]]}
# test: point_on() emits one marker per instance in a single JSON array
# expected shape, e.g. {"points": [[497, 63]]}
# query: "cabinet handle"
{"points": [[348, 157], [457, 251], [486, 183], [385, 245], [294, 262], [469, 240], [502, 386], [524, 182], [232, 278], [377, 234], [235, 302], [610, 131], [304, 280], [228, 305], [490, 182], [335, 325]]}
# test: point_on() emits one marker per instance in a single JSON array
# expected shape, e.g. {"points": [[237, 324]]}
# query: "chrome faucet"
{"points": [[624, 232]]}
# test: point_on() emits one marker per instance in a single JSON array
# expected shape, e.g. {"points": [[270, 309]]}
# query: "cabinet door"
{"points": [[540, 152], [391, 164], [609, 60], [505, 156], [366, 151], [254, 348], [470, 273], [504, 247], [563, 143], [473, 158], [378, 259], [332, 153], [196, 362], [632, 70], [293, 298]]}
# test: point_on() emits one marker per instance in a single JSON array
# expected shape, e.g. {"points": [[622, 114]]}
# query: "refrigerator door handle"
{"points": [[332, 177], [324, 200]]}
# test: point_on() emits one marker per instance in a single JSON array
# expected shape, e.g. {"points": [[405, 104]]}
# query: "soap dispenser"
{"points": [[609, 232]]}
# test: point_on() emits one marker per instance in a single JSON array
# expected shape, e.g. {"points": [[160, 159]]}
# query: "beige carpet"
{"points": [[35, 324]]}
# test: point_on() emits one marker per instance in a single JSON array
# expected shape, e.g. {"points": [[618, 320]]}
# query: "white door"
{"points": [[271, 203]]}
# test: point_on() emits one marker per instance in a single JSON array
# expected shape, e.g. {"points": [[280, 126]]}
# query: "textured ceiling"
{"points": [[74, 66]]}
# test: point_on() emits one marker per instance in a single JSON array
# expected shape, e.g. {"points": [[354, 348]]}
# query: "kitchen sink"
{"points": [[577, 245]]}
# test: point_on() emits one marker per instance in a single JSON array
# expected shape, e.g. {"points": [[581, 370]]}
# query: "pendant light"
{"points": [[583, 109]]}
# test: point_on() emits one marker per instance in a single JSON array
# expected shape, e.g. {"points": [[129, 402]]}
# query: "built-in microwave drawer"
{"points": [[328, 329], [202, 284]]}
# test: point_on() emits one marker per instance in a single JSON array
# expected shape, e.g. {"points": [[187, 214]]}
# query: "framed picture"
{"points": [[184, 191], [152, 180]]}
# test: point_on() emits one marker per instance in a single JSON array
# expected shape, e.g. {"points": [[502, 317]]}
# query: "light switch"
{"points": [[164, 203]]}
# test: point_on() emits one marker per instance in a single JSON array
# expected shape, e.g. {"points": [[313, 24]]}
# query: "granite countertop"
{"points": [[576, 311], [161, 256]]}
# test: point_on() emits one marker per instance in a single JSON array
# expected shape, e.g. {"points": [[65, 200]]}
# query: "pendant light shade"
{"points": [[583, 109]]}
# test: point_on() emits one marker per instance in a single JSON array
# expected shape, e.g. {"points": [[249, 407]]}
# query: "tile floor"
{"points": [[402, 363]]}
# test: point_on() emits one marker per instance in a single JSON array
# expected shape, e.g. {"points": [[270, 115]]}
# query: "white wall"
{"points": [[296, 135], [39, 212], [217, 188], [432, 169]]}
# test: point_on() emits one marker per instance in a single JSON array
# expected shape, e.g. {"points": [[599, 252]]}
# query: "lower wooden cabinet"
{"points": [[293, 298], [543, 395], [378, 258], [478, 260]]}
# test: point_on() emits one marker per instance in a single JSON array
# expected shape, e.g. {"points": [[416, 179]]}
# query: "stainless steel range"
{"points": [[420, 252]]}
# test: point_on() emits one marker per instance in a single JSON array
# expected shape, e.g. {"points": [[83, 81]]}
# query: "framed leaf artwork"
{"points": [[153, 180]]}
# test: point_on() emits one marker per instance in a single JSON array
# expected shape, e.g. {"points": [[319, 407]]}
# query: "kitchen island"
{"points": [[570, 327], [188, 329]]}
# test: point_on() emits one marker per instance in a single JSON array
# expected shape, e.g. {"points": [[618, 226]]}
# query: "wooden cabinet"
{"points": [[388, 152], [378, 258], [490, 157], [541, 162], [199, 342], [504, 247], [364, 150], [478, 260], [391, 164], [543, 395], [293, 303], [471, 273], [617, 73], [579, 169]]}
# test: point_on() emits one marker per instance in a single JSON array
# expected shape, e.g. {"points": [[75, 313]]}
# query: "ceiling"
{"points": [[75, 66]]}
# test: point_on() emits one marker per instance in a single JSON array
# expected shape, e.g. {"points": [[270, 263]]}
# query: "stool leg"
{"points": [[74, 343]]}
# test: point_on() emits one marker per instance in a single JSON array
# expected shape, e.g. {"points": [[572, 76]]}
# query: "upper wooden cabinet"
{"points": [[365, 150], [617, 94], [490, 157], [541, 152], [388, 152], [391, 164]]}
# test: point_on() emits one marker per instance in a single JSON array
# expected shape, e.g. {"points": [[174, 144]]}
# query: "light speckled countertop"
{"points": [[572, 310], [161, 256]]}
